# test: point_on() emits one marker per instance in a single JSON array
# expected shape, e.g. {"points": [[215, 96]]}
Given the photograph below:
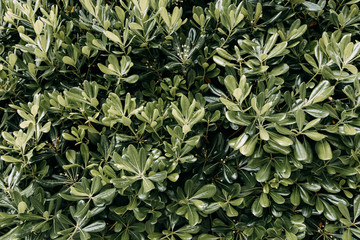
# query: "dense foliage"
{"points": [[164, 119]]}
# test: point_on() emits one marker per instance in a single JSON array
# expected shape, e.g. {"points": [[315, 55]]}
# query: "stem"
{"points": [[132, 130], [317, 72], [156, 132], [227, 38], [339, 5]]}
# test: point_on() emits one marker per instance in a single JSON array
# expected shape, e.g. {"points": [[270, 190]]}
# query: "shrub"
{"points": [[157, 119]]}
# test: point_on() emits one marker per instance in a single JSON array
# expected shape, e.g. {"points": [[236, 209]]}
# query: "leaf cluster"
{"points": [[171, 119]]}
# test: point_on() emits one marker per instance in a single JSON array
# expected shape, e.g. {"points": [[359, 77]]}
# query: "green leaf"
{"points": [[300, 152], [126, 121], [283, 167], [124, 164], [274, 146], [184, 236], [106, 70], [310, 60], [222, 62], [351, 68], [264, 173], [69, 61], [238, 142], [134, 26], [78, 192], [315, 135], [264, 200], [199, 204], [147, 185], [313, 7], [356, 207], [277, 198], [322, 91], [186, 128], [113, 37], [155, 236], [256, 208], [206, 191], [324, 95], [323, 150], [97, 226], [165, 17], [290, 236], [84, 150], [225, 55], [297, 219], [347, 235], [331, 228], [237, 118], [211, 208], [158, 177], [206, 236], [312, 123], [96, 185], [258, 12], [230, 83], [71, 197], [249, 147], [319, 205], [173, 177], [281, 140], [270, 43], [317, 111], [280, 69], [329, 212], [27, 39], [349, 130], [38, 26], [327, 72], [22, 206], [107, 195], [295, 197], [192, 216], [10, 159], [277, 51], [300, 118], [344, 210], [231, 212], [264, 135]]}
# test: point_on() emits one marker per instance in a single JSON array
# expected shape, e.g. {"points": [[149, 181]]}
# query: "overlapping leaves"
{"points": [[157, 119]]}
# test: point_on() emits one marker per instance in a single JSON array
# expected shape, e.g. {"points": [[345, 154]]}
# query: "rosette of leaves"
{"points": [[136, 163]]}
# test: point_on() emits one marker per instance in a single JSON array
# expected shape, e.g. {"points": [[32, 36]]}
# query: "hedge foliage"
{"points": [[168, 119]]}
